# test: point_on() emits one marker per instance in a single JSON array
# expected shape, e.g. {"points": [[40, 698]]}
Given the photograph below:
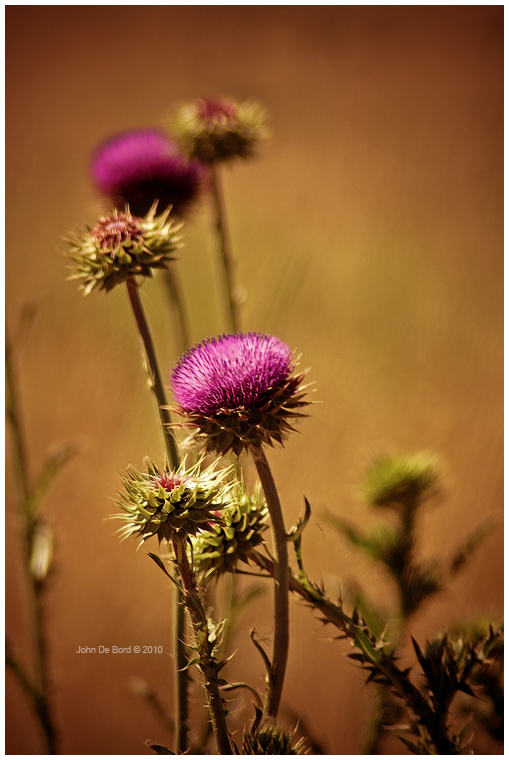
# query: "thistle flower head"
{"points": [[271, 739], [237, 391], [220, 129], [138, 167], [396, 480], [120, 246], [166, 503], [220, 549]]}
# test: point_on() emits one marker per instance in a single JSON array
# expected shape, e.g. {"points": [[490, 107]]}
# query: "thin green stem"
{"points": [[208, 663], [225, 248], [282, 579], [177, 304], [38, 692], [156, 386], [155, 382]]}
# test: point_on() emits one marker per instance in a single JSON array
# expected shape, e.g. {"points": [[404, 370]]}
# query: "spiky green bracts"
{"points": [[220, 549], [121, 246], [168, 503]]}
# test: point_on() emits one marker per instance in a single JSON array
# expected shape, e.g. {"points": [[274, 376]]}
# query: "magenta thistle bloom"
{"points": [[138, 167], [237, 391]]}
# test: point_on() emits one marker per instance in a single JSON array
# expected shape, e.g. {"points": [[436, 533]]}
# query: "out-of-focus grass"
{"points": [[368, 236]]}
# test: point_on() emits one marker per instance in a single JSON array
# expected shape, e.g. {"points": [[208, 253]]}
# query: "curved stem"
{"points": [[154, 376], [383, 663], [282, 580], [177, 304], [225, 248], [208, 663]]}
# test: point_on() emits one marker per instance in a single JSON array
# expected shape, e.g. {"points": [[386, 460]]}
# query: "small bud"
{"points": [[396, 480], [122, 246], [237, 391], [168, 503], [220, 129], [141, 166], [270, 739], [42, 551], [221, 548]]}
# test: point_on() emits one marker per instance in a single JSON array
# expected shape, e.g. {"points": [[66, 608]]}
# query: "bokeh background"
{"points": [[368, 236]]}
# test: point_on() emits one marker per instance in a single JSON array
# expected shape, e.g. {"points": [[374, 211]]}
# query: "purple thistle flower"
{"points": [[141, 166], [237, 390]]}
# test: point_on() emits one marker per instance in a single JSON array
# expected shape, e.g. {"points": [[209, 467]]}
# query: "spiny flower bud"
{"points": [[168, 503], [42, 551], [220, 129], [141, 166], [237, 391], [121, 246], [396, 480], [225, 544], [270, 739]]}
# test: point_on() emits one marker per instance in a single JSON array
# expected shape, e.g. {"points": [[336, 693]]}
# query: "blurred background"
{"points": [[368, 236]]}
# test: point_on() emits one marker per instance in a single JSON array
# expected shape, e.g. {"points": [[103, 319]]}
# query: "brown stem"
{"points": [[154, 376], [156, 386], [39, 689], [182, 675], [225, 248], [282, 580], [208, 663], [383, 663], [176, 299]]}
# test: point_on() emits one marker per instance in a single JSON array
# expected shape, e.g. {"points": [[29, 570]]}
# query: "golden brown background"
{"points": [[369, 237]]}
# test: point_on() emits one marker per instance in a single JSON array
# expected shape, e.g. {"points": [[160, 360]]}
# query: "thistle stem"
{"points": [[13, 415], [38, 690], [182, 675], [383, 663], [175, 297], [208, 663], [156, 386], [225, 248], [403, 578], [154, 376], [282, 580]]}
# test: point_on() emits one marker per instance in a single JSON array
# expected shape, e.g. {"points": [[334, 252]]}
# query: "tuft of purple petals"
{"points": [[141, 166], [230, 372]]}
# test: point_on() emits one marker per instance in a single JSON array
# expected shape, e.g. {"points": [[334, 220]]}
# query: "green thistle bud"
{"points": [[42, 551], [270, 739], [220, 129], [122, 245], [219, 549], [169, 503], [395, 480]]}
